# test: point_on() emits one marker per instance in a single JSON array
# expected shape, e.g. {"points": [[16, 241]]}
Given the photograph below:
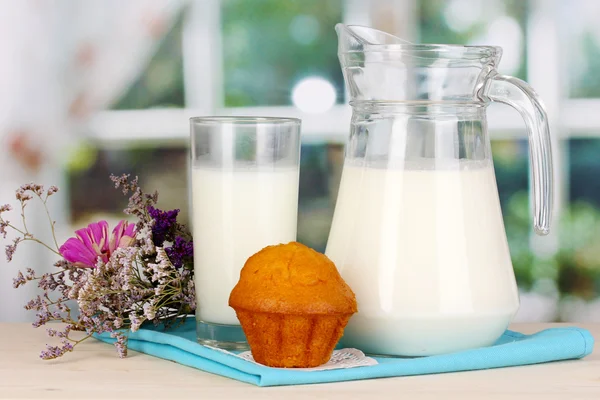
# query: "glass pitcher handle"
{"points": [[522, 97]]}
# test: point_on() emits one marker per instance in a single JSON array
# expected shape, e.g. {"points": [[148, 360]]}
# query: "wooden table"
{"points": [[94, 371]]}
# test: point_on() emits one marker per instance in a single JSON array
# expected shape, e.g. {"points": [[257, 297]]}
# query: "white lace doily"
{"points": [[343, 358]]}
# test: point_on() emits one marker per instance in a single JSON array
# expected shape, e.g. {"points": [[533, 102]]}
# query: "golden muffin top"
{"points": [[292, 279]]}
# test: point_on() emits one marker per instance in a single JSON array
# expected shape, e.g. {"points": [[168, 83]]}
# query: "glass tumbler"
{"points": [[244, 179]]}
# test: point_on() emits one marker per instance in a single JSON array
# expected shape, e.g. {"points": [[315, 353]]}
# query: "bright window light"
{"points": [[314, 95]]}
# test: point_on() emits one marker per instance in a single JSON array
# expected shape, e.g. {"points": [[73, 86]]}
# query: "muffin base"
{"points": [[292, 341]]}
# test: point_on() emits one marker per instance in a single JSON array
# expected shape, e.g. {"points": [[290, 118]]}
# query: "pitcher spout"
{"points": [[378, 66], [356, 38]]}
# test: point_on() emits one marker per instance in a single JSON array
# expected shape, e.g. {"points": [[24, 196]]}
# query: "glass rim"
{"points": [[417, 104], [245, 120]]}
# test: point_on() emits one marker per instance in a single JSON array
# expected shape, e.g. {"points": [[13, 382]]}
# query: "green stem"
{"points": [[76, 342], [16, 229], [43, 244], [37, 278], [49, 220], [50, 302], [23, 218], [28, 236]]}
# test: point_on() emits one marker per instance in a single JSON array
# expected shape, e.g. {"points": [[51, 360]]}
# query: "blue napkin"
{"points": [[512, 349]]}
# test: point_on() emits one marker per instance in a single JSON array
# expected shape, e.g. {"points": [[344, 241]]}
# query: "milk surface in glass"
{"points": [[236, 213], [424, 249]]}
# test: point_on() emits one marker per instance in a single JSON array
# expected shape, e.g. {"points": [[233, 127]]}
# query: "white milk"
{"points": [[425, 251], [235, 214]]}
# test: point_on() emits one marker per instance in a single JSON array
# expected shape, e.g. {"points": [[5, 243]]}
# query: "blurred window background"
{"points": [[272, 57]]}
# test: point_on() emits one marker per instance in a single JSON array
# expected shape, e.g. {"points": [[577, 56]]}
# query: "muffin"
{"points": [[293, 306]]}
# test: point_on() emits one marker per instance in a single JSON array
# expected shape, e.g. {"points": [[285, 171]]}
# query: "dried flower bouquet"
{"points": [[142, 272]]}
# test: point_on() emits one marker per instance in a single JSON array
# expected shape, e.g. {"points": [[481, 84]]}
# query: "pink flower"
{"points": [[93, 242]]}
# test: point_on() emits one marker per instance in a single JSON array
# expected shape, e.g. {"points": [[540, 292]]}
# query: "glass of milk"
{"points": [[244, 179]]}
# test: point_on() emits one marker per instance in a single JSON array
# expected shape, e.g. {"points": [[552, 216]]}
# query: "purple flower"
{"points": [[120, 343], [180, 252], [19, 280], [3, 223], [56, 351], [53, 189], [93, 242], [11, 248], [164, 224]]}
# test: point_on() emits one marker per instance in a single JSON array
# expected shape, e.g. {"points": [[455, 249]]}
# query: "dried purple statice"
{"points": [[23, 197], [3, 223], [120, 343], [52, 352], [138, 201], [19, 280], [165, 223], [51, 190], [181, 252], [11, 248]]}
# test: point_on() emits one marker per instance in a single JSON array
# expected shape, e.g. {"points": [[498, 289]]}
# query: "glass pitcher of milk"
{"points": [[418, 231]]}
